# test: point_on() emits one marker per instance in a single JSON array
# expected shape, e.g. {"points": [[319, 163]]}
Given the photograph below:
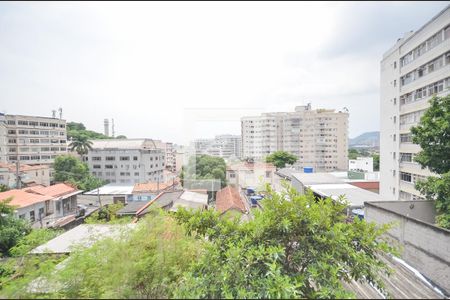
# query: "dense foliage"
{"points": [[71, 169], [433, 135], [75, 130], [12, 229], [81, 144], [204, 167], [107, 214], [281, 158], [296, 248]]}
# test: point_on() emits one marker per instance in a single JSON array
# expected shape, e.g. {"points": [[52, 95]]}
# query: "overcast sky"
{"points": [[175, 71]]}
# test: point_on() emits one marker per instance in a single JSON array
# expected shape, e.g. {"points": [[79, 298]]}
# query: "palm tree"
{"points": [[81, 144]]}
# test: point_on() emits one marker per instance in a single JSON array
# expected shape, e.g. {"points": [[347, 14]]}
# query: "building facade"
{"points": [[318, 138], [412, 71], [364, 164], [31, 140], [226, 146], [29, 175], [126, 161]]}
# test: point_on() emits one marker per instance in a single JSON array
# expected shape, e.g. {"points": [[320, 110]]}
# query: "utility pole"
{"points": [[98, 195], [18, 182]]}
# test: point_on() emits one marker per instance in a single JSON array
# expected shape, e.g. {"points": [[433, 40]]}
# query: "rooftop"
{"points": [[22, 168], [151, 187], [165, 199], [126, 144], [83, 235], [56, 190], [229, 198], [316, 178], [21, 198], [355, 195], [113, 189], [251, 166], [132, 207]]}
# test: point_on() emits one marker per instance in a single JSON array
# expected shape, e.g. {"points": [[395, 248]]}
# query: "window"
{"points": [[268, 174], [447, 32], [24, 157], [136, 173], [124, 158], [11, 131], [406, 157], [135, 158], [395, 65], [20, 122], [395, 119], [33, 123], [405, 138], [393, 155], [395, 83], [11, 122], [97, 167], [35, 157], [394, 137], [22, 216], [41, 213], [97, 158], [405, 177], [108, 166], [395, 101], [34, 141], [32, 218], [110, 158], [12, 141]]}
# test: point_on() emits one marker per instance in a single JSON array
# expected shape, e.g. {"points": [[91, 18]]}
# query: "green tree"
{"points": [[35, 238], [353, 153], [12, 229], [76, 129], [301, 248], [71, 169], [433, 135], [81, 144], [3, 188], [281, 158], [144, 263], [376, 162], [204, 167]]}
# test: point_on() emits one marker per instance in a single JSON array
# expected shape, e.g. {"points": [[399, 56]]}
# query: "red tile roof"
{"points": [[229, 198], [57, 190], [150, 187], [22, 168], [21, 198]]}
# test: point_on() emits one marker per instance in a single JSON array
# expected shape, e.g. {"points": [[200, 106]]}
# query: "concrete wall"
{"points": [[424, 246]]}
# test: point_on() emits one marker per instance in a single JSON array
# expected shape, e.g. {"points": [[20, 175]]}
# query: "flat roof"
{"points": [[83, 235], [113, 189], [316, 178], [125, 144], [355, 195]]}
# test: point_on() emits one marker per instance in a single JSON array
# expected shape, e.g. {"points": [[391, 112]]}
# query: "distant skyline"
{"points": [[179, 71]]}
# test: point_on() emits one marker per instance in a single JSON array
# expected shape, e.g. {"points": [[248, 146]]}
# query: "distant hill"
{"points": [[368, 139]]}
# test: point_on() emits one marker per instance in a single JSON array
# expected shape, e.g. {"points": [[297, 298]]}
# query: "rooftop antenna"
{"points": [[112, 127], [60, 112], [53, 114]]}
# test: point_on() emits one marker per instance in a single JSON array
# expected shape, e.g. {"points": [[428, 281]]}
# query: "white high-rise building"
{"points": [[126, 161], [226, 146], [31, 140], [412, 71], [319, 138]]}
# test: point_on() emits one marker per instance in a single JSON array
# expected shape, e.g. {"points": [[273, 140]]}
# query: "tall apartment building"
{"points": [[31, 140], [126, 161], [225, 146], [169, 154], [319, 138], [412, 71]]}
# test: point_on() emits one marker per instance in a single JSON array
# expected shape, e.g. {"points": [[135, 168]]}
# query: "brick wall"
{"points": [[424, 246]]}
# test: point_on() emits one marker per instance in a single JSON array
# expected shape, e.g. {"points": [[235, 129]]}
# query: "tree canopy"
{"points": [[281, 158], [78, 129], [433, 135], [81, 144], [12, 229], [296, 247], [205, 167], [71, 169]]}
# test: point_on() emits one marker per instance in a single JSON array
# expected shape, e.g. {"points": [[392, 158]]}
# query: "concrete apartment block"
{"points": [[319, 138], [126, 161], [31, 140], [412, 71]]}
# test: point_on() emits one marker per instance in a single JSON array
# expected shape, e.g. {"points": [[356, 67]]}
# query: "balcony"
{"points": [[414, 168]]}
